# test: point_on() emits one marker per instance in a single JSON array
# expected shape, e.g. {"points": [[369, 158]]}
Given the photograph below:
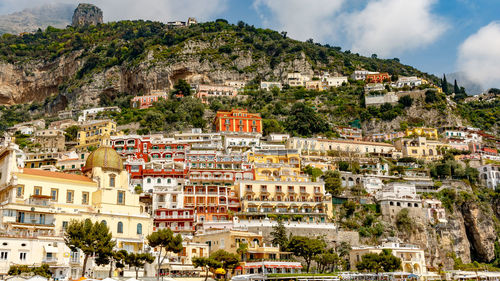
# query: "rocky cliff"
{"points": [[86, 14]]}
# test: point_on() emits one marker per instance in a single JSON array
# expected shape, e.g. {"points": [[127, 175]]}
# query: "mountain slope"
{"points": [[214, 51], [77, 67], [29, 20]]}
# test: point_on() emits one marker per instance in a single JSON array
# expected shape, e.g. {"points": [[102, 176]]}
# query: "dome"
{"points": [[104, 157]]}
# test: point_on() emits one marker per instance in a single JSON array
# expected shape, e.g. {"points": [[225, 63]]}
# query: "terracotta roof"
{"points": [[49, 174]]}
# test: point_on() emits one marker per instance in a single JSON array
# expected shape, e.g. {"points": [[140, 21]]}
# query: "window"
{"points": [[38, 190], [121, 197], [120, 227], [85, 198], [64, 225], [158, 180], [20, 191], [22, 256], [4, 255], [112, 181], [54, 194], [69, 196], [148, 180], [104, 222], [139, 228]]}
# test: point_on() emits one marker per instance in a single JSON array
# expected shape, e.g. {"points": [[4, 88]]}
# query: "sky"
{"points": [[435, 36]]}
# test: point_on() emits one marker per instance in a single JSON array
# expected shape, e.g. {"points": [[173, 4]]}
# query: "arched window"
{"points": [[158, 180], [120, 227], [139, 228], [169, 180], [149, 180], [112, 181], [104, 222]]}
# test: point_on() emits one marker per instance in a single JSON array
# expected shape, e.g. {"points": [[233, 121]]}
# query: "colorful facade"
{"points": [[378, 77], [94, 134], [238, 120], [147, 101], [211, 202]]}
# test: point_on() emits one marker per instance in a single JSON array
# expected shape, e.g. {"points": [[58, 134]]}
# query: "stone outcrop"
{"points": [[86, 14]]}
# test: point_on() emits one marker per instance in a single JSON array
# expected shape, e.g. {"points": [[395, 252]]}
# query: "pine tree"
{"points": [[164, 239], [444, 84], [93, 239], [456, 89], [279, 235]]}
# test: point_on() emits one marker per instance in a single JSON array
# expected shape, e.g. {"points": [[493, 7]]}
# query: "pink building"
{"points": [[142, 102], [204, 92]]}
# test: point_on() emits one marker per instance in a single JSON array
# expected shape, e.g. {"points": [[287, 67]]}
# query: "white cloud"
{"points": [[390, 27], [479, 56], [160, 10], [301, 19]]}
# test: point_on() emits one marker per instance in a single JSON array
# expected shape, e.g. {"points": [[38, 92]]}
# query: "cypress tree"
{"points": [[456, 89], [444, 84]]}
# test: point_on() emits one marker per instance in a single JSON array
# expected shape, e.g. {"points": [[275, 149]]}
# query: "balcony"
{"points": [[49, 260]]}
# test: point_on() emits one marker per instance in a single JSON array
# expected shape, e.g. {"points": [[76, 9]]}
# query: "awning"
{"points": [[50, 249], [176, 267]]}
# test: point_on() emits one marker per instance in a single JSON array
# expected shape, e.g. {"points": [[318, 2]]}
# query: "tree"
{"points": [[207, 263], [279, 235], [93, 239], [138, 260], [327, 261], [343, 166], [182, 88], [333, 183], [444, 84], [271, 126], [304, 121], [383, 261], [242, 250], [118, 259], [403, 220], [228, 260], [430, 96], [406, 101], [456, 89], [165, 241], [71, 133], [313, 172], [307, 248]]}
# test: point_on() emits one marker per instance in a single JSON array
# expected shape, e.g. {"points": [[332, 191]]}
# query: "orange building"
{"points": [[378, 77], [238, 120]]}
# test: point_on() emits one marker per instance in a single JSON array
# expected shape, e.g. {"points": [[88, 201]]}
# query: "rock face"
{"points": [[86, 14]]}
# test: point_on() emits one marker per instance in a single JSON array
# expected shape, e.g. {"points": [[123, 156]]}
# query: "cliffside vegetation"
{"points": [[243, 51]]}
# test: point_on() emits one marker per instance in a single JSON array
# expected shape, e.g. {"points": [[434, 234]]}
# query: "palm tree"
{"points": [[242, 251]]}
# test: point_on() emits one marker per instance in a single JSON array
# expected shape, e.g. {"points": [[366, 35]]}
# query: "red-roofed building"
{"points": [[378, 77], [238, 120]]}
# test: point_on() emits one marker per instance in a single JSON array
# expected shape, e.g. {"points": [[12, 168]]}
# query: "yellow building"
{"points": [[429, 133], [95, 134], [421, 148], [309, 200], [40, 204], [257, 251], [280, 165]]}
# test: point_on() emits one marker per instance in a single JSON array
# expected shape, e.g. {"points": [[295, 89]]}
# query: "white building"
{"points": [[372, 185], [361, 74], [238, 84], [275, 137], [412, 256], [333, 81], [434, 211], [268, 85], [296, 79], [411, 81], [239, 142], [490, 175], [92, 112]]}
